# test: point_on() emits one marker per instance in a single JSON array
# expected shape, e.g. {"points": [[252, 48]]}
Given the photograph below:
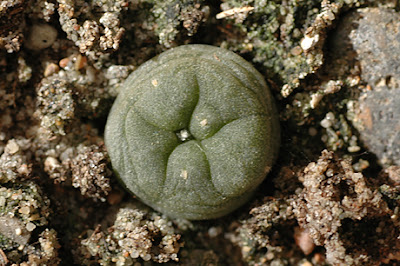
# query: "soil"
{"points": [[332, 198]]}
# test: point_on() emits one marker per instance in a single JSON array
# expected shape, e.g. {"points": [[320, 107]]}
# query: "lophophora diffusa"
{"points": [[193, 132]]}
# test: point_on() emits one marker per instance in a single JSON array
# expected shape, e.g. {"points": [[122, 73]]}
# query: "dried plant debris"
{"points": [[136, 235], [337, 209]]}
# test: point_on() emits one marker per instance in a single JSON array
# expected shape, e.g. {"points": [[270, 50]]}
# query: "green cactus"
{"points": [[193, 132]]}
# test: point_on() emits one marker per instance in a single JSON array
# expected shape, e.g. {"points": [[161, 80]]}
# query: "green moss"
{"points": [[193, 132]]}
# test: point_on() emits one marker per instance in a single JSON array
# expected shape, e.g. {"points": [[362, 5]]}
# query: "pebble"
{"points": [[18, 231], [64, 62], [80, 62], [24, 210], [12, 147], [30, 226], [41, 36], [51, 69], [361, 40]]}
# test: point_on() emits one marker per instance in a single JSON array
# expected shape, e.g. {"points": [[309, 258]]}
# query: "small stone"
{"points": [[134, 254], [308, 42], [80, 62], [214, 231], [24, 210], [296, 50], [64, 62], [30, 226], [376, 112], [18, 231], [328, 120], [51, 69], [41, 36], [12, 147], [114, 197], [6, 120], [303, 240], [24, 169], [14, 229], [319, 258], [353, 149], [2, 201], [312, 131], [50, 164], [146, 257]]}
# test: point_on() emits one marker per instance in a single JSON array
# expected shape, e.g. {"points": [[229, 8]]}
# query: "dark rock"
{"points": [[368, 41]]}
